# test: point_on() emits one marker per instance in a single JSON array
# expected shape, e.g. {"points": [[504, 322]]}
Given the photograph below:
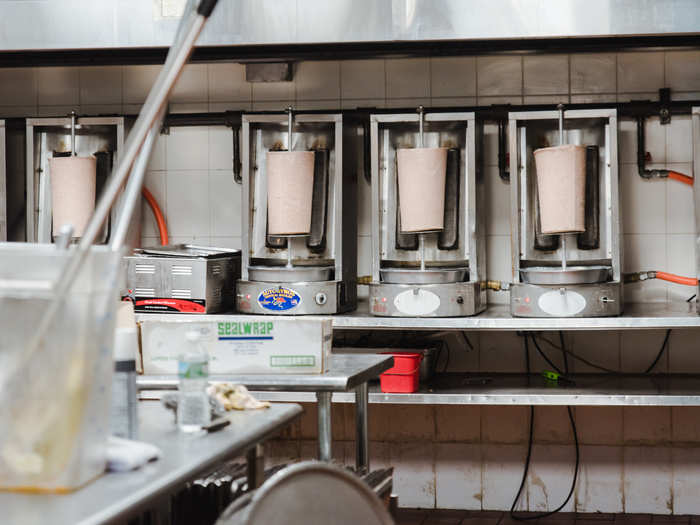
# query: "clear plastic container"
{"points": [[55, 400]]}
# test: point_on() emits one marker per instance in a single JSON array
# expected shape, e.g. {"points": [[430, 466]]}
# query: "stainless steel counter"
{"points": [[346, 373], [637, 316], [117, 496]]}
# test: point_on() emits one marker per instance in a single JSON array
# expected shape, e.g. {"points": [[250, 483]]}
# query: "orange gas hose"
{"points": [[680, 177], [678, 279], [158, 214]]}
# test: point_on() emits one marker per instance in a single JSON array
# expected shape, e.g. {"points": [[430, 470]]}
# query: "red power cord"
{"points": [[158, 214]]}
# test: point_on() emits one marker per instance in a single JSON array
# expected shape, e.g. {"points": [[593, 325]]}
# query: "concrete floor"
{"points": [[463, 517]]}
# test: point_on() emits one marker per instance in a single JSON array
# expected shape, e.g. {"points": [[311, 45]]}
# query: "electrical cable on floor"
{"points": [[529, 450]]}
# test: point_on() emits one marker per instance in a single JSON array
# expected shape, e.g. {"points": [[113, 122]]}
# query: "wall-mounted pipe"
{"points": [[502, 151], [654, 173]]}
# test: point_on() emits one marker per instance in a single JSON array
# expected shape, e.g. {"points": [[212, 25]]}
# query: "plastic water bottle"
{"points": [[193, 410]]}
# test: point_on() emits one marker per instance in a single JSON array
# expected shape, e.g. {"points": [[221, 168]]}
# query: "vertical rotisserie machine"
{"points": [[58, 137], [437, 272], [308, 272], [578, 273]]}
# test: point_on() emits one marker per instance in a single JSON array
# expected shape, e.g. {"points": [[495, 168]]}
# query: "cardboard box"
{"points": [[241, 344]]}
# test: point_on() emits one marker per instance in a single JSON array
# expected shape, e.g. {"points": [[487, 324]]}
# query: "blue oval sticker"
{"points": [[279, 299]]}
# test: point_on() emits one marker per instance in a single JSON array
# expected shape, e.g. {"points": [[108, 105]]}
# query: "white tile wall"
{"points": [[435, 449], [645, 492], [600, 487], [686, 483], [549, 478], [546, 74], [414, 477], [499, 75], [458, 476], [501, 475]]}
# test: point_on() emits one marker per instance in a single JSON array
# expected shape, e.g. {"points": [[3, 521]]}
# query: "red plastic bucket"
{"points": [[402, 378]]}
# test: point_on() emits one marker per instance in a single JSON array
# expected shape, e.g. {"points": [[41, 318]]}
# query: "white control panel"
{"points": [[561, 303], [416, 302]]}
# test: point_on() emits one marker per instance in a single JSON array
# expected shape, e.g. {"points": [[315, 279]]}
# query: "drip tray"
{"points": [[294, 274], [572, 275], [427, 276]]}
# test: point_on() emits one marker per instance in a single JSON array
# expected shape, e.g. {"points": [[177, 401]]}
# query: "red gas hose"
{"points": [[158, 214], [680, 177], [678, 279]]}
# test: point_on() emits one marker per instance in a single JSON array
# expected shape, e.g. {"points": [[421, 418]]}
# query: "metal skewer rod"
{"points": [[421, 236], [290, 123], [560, 107], [72, 133]]}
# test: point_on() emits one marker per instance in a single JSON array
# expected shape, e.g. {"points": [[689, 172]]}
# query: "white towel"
{"points": [[124, 454]]}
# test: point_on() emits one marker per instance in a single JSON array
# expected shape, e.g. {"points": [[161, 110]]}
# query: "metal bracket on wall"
{"points": [[664, 106]]}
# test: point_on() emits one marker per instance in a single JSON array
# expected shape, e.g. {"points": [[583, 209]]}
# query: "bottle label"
{"points": [[193, 370]]}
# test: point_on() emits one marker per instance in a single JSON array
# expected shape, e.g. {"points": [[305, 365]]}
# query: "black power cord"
{"points": [[530, 440], [664, 346]]}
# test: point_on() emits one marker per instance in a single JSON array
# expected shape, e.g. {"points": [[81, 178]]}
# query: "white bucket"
{"points": [[561, 187], [422, 188], [55, 400], [72, 192], [290, 187]]}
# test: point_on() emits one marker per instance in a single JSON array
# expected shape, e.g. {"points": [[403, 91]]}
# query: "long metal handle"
{"points": [[72, 133], [132, 191], [420, 111], [190, 28], [290, 124]]}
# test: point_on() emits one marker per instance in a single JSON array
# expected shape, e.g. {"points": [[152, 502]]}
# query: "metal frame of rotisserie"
{"points": [[323, 279], [452, 285], [558, 294], [92, 135]]}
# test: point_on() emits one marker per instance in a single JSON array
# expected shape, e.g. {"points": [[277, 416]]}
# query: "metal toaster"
{"points": [[182, 278]]}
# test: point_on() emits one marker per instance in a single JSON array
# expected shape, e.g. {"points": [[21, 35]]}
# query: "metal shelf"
{"points": [[520, 389], [637, 316]]}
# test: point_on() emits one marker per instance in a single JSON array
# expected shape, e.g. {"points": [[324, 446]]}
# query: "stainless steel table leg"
{"points": [[256, 466], [325, 434], [361, 439]]}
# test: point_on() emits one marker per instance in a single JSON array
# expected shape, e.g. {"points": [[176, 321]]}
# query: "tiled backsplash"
{"points": [[632, 459]]}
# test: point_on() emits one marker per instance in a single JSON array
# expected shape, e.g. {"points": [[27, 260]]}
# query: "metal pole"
{"points": [[72, 133], [177, 57], [420, 111], [361, 435], [325, 433], [255, 459], [290, 124], [133, 187], [421, 236], [560, 107]]}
